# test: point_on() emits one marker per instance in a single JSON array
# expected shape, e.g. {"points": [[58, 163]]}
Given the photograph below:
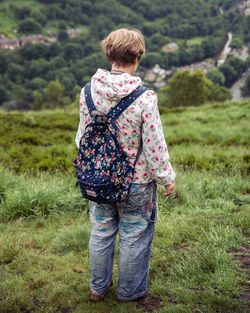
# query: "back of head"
{"points": [[123, 46]]}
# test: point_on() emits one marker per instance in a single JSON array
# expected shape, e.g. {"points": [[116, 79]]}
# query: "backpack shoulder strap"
{"points": [[88, 98], [122, 105]]}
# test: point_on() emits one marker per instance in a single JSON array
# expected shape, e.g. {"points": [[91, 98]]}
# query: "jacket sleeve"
{"points": [[83, 118], [154, 144]]}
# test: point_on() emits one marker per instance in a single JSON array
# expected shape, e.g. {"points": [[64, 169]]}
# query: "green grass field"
{"points": [[200, 229], [195, 40]]}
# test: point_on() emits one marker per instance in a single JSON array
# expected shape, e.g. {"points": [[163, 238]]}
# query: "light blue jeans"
{"points": [[134, 220]]}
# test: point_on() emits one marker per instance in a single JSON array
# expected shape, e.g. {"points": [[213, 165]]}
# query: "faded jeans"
{"points": [[134, 220]]}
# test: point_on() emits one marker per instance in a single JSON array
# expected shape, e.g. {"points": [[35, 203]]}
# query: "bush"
{"points": [[21, 13], [29, 25], [219, 93], [4, 95], [188, 88], [237, 43], [39, 17], [245, 89], [216, 76]]}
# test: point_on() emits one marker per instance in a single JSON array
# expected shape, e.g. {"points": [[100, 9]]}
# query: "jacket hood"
{"points": [[114, 86]]}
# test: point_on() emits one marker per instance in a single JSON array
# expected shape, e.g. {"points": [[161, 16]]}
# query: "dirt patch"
{"points": [[5, 261], [181, 246], [65, 309], [243, 255], [150, 303]]}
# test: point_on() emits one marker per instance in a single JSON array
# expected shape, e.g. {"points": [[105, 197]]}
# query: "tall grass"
{"points": [[23, 195], [44, 225], [44, 141]]}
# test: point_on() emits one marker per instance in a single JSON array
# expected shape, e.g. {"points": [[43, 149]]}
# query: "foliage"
{"points": [[219, 93], [29, 25], [216, 76], [44, 229], [236, 43], [188, 88], [232, 69], [160, 21], [21, 13], [245, 90], [4, 94], [53, 94]]}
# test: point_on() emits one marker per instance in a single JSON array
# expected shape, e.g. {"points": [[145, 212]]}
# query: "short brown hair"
{"points": [[123, 46]]}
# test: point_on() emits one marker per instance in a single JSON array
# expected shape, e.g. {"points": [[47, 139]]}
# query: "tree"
{"points": [[4, 94], [72, 51], [232, 69], [39, 17], [216, 76], [37, 51], [29, 25], [152, 58], [62, 36], [236, 43], [229, 73], [245, 90], [188, 88], [21, 13], [219, 93], [197, 52], [184, 56], [54, 95], [36, 83], [37, 100], [237, 63]]}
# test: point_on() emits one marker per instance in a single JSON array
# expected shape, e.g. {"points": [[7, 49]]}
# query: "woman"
{"points": [[134, 219]]}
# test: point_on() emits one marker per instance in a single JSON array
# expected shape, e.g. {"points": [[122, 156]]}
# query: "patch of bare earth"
{"points": [[243, 255], [150, 303]]}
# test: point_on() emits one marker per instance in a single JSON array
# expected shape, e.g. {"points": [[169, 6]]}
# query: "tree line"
{"points": [[27, 72]]}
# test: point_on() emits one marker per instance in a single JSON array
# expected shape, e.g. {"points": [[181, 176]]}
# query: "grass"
{"points": [[195, 40], [44, 224], [45, 141], [44, 257]]}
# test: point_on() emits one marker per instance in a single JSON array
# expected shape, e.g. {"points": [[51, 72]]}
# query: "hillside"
{"points": [[201, 246], [45, 140], [146, 14], [178, 33]]}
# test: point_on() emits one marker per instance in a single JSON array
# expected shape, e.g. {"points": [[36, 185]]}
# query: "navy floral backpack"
{"points": [[104, 172]]}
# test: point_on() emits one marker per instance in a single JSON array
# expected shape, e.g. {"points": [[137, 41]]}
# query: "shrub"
{"points": [[29, 25], [188, 88]]}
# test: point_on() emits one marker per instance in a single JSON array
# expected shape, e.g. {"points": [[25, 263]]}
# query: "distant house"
{"points": [[73, 32], [244, 8], [247, 12], [170, 47], [32, 39], [9, 44]]}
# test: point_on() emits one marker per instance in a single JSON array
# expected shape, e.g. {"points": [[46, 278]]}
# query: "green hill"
{"points": [[197, 138], [198, 28], [200, 230]]}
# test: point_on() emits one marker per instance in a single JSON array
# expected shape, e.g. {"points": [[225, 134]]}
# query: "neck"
{"points": [[126, 69]]}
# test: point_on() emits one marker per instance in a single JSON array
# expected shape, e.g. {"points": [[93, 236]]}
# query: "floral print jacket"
{"points": [[140, 120]]}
